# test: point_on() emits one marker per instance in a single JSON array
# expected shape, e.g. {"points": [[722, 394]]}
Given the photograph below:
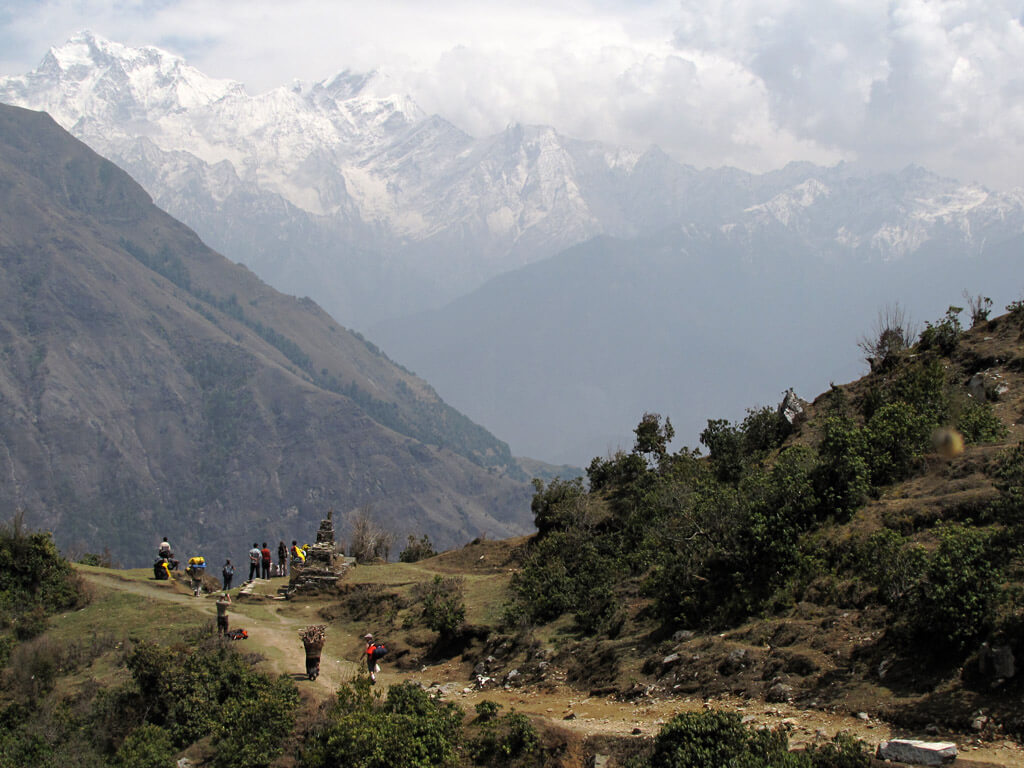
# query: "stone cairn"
{"points": [[323, 567]]}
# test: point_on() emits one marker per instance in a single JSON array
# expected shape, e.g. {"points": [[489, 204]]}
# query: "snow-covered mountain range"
{"points": [[481, 261], [348, 192]]}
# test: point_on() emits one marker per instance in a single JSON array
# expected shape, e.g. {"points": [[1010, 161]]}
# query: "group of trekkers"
{"points": [[261, 564]]}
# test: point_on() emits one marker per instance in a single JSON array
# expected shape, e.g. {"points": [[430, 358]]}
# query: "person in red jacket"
{"points": [[265, 554], [374, 651]]}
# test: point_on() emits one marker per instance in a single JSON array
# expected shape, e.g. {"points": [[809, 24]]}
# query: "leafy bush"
{"points": [[35, 581], [507, 740], [417, 550], [575, 569], [254, 722], [843, 476], [714, 738], [557, 505], [1008, 474], [978, 423], [893, 566], [944, 335], [724, 442], [717, 738], [951, 606], [410, 728], [192, 693], [444, 607], [148, 746], [897, 438]]}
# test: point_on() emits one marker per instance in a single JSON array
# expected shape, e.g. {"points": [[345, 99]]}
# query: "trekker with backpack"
{"points": [[228, 573], [254, 561], [374, 652], [196, 569], [282, 559]]}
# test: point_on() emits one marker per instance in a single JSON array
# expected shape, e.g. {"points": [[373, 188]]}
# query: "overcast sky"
{"points": [[750, 83]]}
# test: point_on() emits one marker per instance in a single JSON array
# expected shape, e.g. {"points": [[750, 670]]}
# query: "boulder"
{"points": [[987, 385], [791, 407], [915, 752], [997, 661], [779, 693]]}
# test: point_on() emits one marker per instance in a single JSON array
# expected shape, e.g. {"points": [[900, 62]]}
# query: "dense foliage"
{"points": [[408, 727], [717, 738], [711, 541], [175, 697], [35, 582]]}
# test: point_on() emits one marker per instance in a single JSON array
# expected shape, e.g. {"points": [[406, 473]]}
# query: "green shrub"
{"points": [[893, 566], [486, 710], [763, 430], [417, 550], [35, 581], [575, 570], [557, 505], [944, 335], [714, 738], [897, 438], [410, 728], [843, 476], [212, 689], [148, 746], [719, 739], [444, 608], [978, 423], [951, 607], [506, 740], [254, 722], [724, 442], [843, 751], [1008, 474]]}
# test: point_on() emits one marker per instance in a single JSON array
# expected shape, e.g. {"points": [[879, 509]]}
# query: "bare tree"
{"points": [[892, 334], [368, 541]]}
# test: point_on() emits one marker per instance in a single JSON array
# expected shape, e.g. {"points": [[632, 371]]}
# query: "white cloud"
{"points": [[753, 83]]}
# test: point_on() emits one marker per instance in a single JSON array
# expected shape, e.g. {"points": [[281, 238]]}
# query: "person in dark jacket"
{"points": [[282, 559], [228, 573]]}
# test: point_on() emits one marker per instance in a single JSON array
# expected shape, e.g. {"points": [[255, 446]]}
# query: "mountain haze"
{"points": [[562, 358], [719, 286], [151, 387]]}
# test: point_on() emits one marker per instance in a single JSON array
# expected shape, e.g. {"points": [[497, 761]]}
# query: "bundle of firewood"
{"points": [[313, 635]]}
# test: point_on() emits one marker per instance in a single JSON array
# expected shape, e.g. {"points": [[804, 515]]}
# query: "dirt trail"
{"points": [[273, 627], [276, 639]]}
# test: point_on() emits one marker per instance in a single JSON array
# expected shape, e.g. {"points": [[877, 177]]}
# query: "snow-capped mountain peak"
{"points": [[334, 188]]}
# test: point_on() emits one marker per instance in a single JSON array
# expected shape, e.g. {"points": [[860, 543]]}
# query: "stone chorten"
{"points": [[323, 566]]}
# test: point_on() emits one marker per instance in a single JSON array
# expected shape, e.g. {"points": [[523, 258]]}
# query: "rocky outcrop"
{"points": [[913, 752]]}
